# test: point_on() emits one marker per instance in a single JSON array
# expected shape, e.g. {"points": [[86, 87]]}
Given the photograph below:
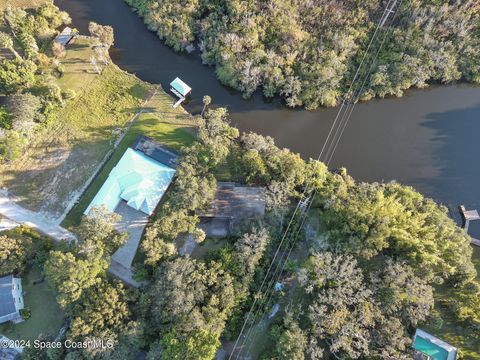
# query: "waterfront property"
{"points": [[11, 299], [232, 203], [429, 347], [133, 190]]}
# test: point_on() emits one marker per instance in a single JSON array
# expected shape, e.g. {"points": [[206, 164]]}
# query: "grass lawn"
{"points": [[171, 127], [66, 152], [453, 332], [46, 318]]}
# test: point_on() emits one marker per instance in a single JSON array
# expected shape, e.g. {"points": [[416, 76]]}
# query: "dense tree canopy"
{"points": [[13, 253], [190, 304], [346, 312], [307, 51]]}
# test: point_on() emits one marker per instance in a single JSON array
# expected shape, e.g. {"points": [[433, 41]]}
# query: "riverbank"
{"points": [[427, 139], [52, 172]]}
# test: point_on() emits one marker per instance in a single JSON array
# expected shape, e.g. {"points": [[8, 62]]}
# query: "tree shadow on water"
{"points": [[458, 156]]}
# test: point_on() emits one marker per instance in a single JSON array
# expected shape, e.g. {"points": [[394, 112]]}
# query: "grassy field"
{"points": [[46, 318], [452, 331], [171, 127], [66, 152], [21, 3]]}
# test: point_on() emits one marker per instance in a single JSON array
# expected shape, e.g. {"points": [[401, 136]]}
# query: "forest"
{"points": [[307, 51], [356, 287]]}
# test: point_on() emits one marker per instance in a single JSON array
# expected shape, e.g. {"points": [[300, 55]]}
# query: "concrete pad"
{"points": [[121, 272], [7, 224], [217, 228], [133, 222]]}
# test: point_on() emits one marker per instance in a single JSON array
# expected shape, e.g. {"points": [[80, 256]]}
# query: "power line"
{"points": [[330, 150]]}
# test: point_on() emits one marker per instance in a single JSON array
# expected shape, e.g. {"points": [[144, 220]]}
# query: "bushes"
{"points": [[16, 75], [25, 313], [14, 252]]}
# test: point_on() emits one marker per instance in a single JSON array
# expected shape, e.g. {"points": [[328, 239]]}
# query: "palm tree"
{"points": [[207, 100]]}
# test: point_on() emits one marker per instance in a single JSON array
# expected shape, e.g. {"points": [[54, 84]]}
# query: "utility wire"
{"points": [[297, 229]]}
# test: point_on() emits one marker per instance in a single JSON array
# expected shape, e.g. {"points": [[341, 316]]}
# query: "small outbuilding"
{"points": [[180, 89], [429, 347], [65, 37], [11, 299], [232, 203]]}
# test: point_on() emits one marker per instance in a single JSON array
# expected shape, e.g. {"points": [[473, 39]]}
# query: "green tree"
{"points": [[12, 146], [70, 274], [189, 295], [402, 294], [24, 111], [103, 32], [13, 253], [102, 312], [16, 75], [99, 227], [199, 345], [341, 313], [207, 100], [291, 342]]}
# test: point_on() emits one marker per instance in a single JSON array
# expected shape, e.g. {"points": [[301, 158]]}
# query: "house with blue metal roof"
{"points": [[137, 179], [11, 299], [133, 189]]}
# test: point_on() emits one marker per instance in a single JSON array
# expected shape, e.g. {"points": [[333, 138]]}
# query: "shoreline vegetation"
{"points": [[307, 52], [373, 262], [69, 114]]}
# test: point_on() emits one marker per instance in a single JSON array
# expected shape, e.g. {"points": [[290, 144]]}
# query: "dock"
{"points": [[467, 216]]}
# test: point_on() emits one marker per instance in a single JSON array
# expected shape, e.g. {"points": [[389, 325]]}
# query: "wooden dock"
{"points": [[467, 216]]}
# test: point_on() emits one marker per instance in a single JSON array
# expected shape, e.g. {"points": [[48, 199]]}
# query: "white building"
{"points": [[11, 299]]}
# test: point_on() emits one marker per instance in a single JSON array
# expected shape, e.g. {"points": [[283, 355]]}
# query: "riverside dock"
{"points": [[467, 216]]}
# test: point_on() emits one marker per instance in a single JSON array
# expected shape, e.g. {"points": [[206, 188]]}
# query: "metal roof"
{"points": [[137, 179], [180, 86], [233, 201], [7, 305], [65, 36]]}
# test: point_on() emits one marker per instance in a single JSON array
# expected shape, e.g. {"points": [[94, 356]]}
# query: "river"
{"points": [[428, 139]]}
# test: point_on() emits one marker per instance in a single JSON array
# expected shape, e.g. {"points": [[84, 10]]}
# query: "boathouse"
{"points": [[180, 89], [467, 216], [65, 37]]}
